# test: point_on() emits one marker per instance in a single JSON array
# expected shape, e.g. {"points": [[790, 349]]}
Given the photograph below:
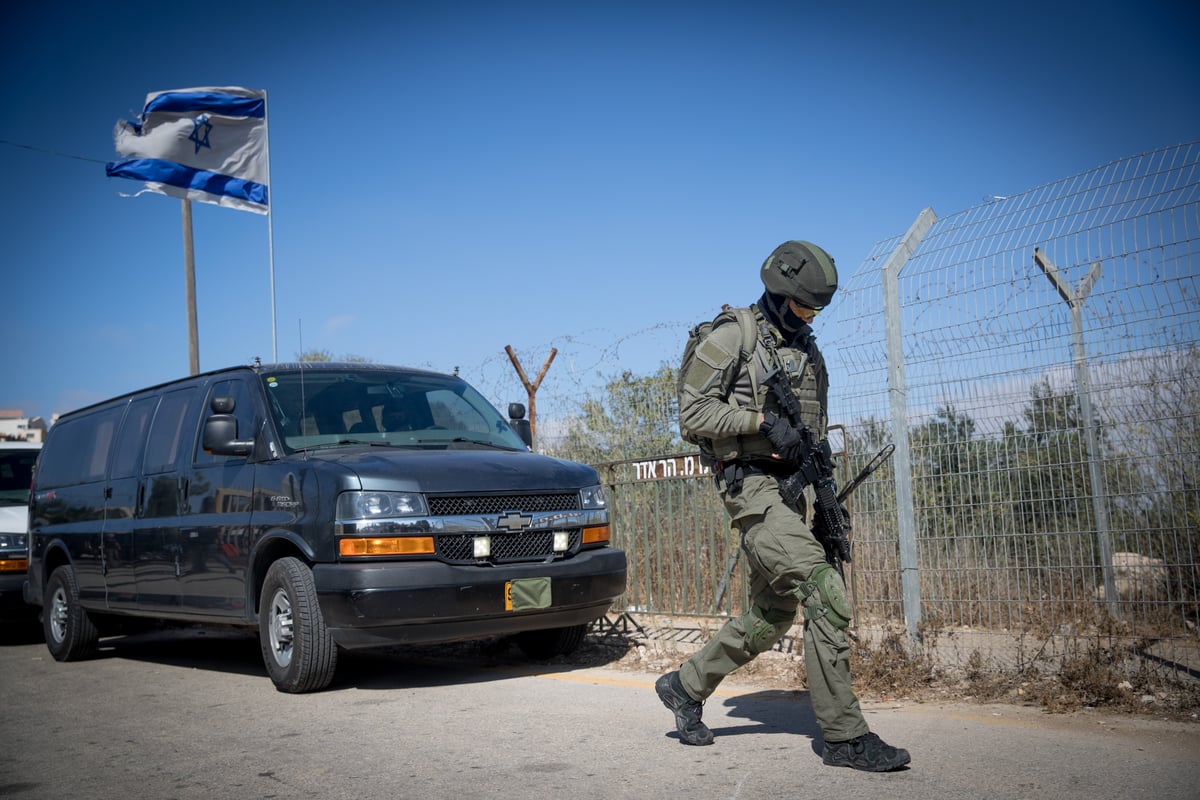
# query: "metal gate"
{"points": [[667, 516]]}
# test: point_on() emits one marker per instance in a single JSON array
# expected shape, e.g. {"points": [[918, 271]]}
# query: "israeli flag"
{"points": [[207, 144]]}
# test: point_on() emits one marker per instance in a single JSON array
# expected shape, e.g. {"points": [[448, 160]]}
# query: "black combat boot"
{"points": [[687, 711], [867, 752]]}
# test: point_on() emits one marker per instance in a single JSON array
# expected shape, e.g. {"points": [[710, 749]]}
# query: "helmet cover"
{"points": [[801, 271]]}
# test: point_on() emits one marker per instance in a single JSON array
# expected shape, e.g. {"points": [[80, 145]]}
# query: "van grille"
{"points": [[452, 506], [530, 545], [526, 546]]}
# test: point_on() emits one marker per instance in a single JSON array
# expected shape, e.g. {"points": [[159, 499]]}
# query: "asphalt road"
{"points": [[193, 715]]}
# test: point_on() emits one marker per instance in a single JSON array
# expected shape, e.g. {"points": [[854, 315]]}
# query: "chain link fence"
{"points": [[1036, 362], [1037, 369]]}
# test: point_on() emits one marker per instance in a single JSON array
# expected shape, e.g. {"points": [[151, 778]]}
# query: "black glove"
{"points": [[786, 440]]}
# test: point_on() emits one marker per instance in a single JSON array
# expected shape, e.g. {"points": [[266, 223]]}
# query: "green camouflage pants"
{"points": [[781, 553]]}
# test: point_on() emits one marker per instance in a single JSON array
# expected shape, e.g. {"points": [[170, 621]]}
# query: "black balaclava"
{"points": [[777, 311]]}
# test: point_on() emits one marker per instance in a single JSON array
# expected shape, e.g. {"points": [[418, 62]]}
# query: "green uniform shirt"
{"points": [[722, 397]]}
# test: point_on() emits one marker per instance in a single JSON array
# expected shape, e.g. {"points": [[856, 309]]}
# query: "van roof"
{"points": [[261, 369]]}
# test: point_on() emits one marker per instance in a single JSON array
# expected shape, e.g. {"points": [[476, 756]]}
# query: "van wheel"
{"points": [[69, 631], [541, 645], [297, 648]]}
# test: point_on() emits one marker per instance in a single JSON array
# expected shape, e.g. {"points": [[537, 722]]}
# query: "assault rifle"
{"points": [[816, 469]]}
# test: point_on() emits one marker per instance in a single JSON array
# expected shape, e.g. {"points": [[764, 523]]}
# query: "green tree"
{"points": [[1048, 460], [634, 417], [950, 465], [1155, 508], [327, 355], [1047, 464]]}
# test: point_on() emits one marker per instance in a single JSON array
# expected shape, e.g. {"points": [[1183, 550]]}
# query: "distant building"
{"points": [[15, 426]]}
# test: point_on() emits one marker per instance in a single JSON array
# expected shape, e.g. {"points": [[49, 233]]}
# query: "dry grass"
{"points": [[1102, 673]]}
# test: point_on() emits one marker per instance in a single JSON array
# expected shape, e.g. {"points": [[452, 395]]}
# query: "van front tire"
{"points": [[297, 649], [546, 644], [69, 631]]}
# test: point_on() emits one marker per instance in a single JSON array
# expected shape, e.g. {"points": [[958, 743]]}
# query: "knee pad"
{"points": [[824, 595], [766, 627]]}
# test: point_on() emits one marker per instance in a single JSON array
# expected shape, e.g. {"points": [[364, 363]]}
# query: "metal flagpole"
{"points": [[189, 272], [270, 227]]}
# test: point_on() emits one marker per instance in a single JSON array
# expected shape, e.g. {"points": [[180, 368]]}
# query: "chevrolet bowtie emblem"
{"points": [[514, 521]]}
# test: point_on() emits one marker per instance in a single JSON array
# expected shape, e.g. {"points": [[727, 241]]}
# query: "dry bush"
{"points": [[889, 668]]}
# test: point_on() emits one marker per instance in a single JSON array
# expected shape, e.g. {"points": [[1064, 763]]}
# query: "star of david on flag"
{"points": [[200, 132], [207, 144]]}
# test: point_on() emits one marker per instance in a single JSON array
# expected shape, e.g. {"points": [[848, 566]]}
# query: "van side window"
{"points": [[128, 449], [166, 431], [95, 455], [81, 451], [243, 411]]}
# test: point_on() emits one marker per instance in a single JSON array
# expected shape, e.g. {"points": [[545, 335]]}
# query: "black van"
{"points": [[331, 505]]}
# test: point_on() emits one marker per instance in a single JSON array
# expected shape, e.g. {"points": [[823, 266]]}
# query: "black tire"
{"points": [[69, 631], [297, 649], [542, 645]]}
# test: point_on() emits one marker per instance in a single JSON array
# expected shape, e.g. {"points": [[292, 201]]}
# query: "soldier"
{"points": [[741, 427]]}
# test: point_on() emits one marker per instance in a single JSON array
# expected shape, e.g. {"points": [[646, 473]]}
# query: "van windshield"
{"points": [[329, 407]]}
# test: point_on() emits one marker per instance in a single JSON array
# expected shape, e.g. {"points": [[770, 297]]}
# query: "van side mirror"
{"points": [[221, 431], [517, 421]]}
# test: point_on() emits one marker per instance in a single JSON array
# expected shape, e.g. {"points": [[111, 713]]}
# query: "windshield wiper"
{"points": [[465, 440], [343, 443]]}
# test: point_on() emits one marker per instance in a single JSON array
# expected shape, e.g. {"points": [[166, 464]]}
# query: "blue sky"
{"points": [[448, 178]]}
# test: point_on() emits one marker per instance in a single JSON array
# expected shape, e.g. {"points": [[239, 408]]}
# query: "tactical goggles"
{"points": [[800, 305]]}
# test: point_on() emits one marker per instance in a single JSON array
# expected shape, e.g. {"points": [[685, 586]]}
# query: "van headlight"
{"points": [[383, 524], [13, 541], [592, 498], [379, 505]]}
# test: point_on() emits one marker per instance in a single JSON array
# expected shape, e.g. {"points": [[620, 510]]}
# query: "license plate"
{"points": [[524, 594]]}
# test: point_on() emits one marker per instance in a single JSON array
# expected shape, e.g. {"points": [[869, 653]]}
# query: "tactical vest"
{"points": [[806, 374]]}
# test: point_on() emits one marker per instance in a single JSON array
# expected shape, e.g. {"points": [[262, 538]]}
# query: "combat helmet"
{"points": [[801, 271]]}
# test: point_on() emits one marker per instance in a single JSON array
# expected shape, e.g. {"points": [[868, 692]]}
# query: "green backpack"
{"points": [[744, 317]]}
